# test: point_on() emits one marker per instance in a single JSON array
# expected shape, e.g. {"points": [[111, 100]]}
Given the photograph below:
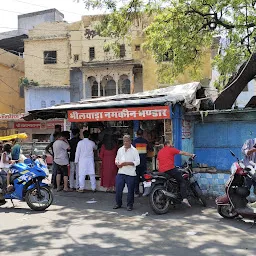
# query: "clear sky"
{"points": [[10, 9]]}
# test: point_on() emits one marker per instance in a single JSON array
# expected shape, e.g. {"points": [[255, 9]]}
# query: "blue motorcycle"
{"points": [[27, 180]]}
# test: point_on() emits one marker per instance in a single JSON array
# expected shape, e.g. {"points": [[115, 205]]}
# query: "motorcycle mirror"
{"points": [[232, 153]]}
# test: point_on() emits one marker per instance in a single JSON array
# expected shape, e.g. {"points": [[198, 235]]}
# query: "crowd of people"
{"points": [[120, 166], [78, 155]]}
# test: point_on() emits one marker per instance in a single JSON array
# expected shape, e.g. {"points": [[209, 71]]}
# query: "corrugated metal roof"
{"points": [[180, 93], [185, 93]]}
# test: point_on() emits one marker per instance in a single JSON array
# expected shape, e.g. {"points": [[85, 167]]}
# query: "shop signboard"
{"points": [[38, 125], [9, 117], [120, 114], [27, 125]]}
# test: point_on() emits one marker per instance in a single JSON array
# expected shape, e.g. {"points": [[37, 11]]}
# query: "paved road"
{"points": [[74, 227]]}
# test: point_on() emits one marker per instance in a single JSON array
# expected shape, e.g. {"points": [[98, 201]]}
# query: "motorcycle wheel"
{"points": [[159, 203], [199, 194], [226, 212], [37, 203]]}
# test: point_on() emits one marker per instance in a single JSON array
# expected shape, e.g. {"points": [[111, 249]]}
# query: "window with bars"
{"points": [[76, 57], [122, 50], [110, 88], [94, 89], [50, 57], [92, 53], [126, 87]]}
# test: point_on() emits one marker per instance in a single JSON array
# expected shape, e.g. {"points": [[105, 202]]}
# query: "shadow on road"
{"points": [[86, 224]]}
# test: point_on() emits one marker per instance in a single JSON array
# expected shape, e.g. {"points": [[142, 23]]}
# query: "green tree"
{"points": [[185, 30]]}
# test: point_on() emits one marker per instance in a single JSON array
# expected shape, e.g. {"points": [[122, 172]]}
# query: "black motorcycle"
{"points": [[164, 191]]}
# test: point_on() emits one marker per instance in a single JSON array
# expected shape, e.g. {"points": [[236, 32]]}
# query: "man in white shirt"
{"points": [[127, 159], [85, 160]]}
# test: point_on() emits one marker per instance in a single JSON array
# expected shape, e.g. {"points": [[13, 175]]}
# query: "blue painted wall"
{"points": [[212, 141], [35, 96], [176, 116]]}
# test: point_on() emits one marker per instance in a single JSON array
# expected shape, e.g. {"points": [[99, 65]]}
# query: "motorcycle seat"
{"points": [[162, 174], [165, 175]]}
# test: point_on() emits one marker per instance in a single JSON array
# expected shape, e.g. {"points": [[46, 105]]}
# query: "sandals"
{"points": [[80, 190]]}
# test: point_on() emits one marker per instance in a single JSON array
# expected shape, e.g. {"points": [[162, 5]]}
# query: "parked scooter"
{"points": [[27, 181], [234, 202], [164, 191]]}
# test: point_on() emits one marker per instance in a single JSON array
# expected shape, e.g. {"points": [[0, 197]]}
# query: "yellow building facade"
{"points": [[12, 96], [11, 70], [75, 57]]}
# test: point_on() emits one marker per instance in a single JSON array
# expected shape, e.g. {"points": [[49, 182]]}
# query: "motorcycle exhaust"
{"points": [[169, 194]]}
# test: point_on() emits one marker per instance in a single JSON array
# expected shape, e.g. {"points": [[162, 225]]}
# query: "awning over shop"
{"points": [[185, 94]]}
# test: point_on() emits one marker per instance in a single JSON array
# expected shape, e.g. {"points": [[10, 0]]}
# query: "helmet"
{"points": [[243, 191]]}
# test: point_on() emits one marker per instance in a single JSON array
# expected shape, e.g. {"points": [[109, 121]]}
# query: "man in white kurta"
{"points": [[85, 160]]}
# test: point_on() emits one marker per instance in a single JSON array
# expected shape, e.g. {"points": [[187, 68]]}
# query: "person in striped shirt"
{"points": [[141, 145]]}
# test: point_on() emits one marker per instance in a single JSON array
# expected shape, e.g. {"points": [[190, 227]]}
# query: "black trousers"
{"points": [[121, 179], [177, 175]]}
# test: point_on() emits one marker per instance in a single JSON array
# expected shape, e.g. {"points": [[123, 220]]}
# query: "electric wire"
{"points": [[43, 6]]}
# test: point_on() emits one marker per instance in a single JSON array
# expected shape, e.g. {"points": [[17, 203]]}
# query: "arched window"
{"points": [[52, 102], [110, 88], [94, 89], [62, 101], [43, 104], [126, 86]]}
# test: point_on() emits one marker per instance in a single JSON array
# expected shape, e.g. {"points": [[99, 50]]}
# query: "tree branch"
{"points": [[247, 36], [198, 12], [216, 20]]}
